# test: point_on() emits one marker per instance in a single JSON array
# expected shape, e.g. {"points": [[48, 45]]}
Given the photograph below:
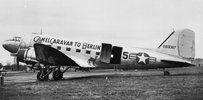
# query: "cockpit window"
{"points": [[16, 38]]}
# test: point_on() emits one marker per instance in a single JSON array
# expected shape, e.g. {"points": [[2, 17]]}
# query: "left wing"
{"points": [[51, 56]]}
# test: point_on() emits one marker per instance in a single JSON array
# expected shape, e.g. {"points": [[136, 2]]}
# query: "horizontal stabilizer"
{"points": [[178, 63]]}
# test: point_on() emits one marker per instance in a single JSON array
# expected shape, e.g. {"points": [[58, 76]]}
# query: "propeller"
{"points": [[16, 59], [16, 62]]}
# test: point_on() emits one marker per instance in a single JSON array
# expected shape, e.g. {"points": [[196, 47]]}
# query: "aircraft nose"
{"points": [[11, 46]]}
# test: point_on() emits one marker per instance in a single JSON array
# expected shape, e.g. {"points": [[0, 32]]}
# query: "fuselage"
{"points": [[130, 57]]}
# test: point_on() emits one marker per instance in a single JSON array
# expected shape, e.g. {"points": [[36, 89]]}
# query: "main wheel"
{"points": [[57, 75], [166, 73], [41, 75]]}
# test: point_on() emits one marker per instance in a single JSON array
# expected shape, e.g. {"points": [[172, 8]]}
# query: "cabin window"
{"points": [[78, 50], [68, 49], [58, 47], [97, 53], [88, 51]]}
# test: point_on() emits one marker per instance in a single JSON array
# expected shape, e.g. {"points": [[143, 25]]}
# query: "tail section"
{"points": [[179, 43]]}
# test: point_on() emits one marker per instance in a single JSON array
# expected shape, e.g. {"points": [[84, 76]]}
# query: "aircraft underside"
{"points": [[57, 71]]}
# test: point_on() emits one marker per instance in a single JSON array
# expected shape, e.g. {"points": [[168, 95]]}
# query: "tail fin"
{"points": [[179, 43]]}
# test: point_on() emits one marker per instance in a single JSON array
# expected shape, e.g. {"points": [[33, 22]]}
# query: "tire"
{"points": [[57, 75], [41, 74]]}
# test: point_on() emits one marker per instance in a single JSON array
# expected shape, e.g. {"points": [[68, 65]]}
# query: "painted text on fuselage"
{"points": [[52, 41]]}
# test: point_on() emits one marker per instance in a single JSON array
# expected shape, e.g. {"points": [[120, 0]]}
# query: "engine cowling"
{"points": [[26, 55]]}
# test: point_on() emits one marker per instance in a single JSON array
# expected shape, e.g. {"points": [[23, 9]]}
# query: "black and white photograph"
{"points": [[101, 50]]}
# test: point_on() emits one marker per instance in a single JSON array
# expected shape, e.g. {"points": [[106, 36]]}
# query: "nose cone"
{"points": [[11, 46]]}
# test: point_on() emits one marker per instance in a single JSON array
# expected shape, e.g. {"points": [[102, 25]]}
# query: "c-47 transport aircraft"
{"points": [[50, 53]]}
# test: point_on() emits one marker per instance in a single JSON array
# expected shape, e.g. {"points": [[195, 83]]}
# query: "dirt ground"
{"points": [[183, 84]]}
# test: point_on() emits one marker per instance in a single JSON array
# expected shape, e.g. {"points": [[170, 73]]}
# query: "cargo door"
{"points": [[110, 54], [105, 56], [116, 55]]}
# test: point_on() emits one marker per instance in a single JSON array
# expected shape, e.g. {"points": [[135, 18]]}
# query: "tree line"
{"points": [[13, 67]]}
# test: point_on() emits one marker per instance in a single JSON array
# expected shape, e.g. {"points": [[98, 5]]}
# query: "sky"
{"points": [[137, 23]]}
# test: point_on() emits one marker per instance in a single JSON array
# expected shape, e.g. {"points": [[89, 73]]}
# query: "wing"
{"points": [[51, 56]]}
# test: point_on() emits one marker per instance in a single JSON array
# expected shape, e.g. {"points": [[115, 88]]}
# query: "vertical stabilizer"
{"points": [[179, 43], [187, 43]]}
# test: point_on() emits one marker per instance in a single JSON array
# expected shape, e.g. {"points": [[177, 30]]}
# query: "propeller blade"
{"points": [[17, 64]]}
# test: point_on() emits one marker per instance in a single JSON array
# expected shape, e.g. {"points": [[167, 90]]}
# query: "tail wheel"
{"points": [[166, 73], [57, 75], [41, 75]]}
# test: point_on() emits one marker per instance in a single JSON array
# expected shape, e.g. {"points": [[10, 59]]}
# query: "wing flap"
{"points": [[82, 62]]}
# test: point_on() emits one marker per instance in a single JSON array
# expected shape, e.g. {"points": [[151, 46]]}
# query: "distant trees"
{"points": [[199, 62], [13, 67], [1, 65]]}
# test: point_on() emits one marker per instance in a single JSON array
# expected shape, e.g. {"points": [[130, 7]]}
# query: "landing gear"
{"points": [[166, 73], [57, 75], [43, 75]]}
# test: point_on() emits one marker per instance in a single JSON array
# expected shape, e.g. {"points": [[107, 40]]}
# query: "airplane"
{"points": [[50, 53]]}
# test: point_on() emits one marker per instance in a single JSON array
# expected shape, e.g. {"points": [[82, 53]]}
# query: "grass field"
{"points": [[183, 84]]}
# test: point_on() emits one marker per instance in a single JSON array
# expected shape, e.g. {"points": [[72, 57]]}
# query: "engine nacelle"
{"points": [[26, 55]]}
